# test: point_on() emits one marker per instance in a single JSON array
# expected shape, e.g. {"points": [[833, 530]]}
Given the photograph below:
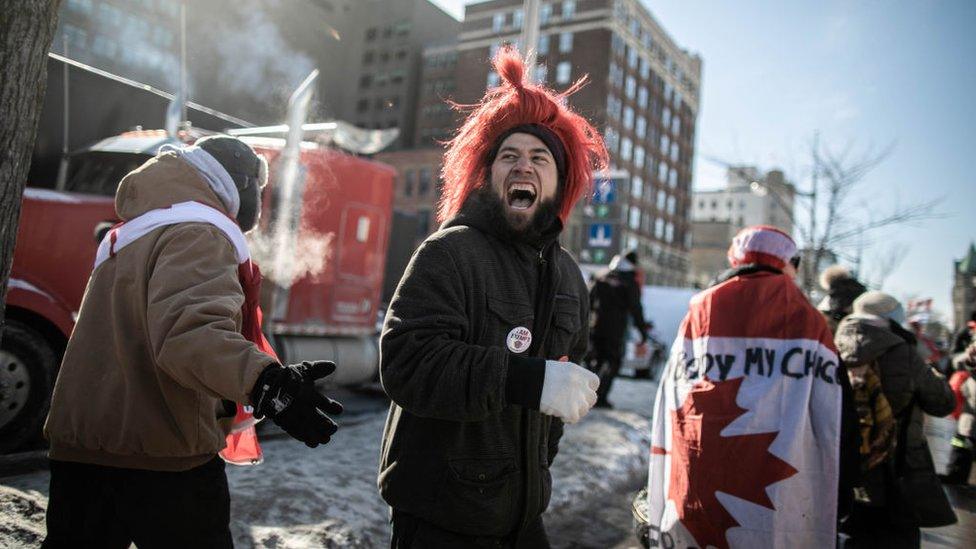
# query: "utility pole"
{"points": [[182, 93], [810, 271], [530, 35]]}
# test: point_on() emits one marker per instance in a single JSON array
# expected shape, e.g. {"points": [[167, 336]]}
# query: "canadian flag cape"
{"points": [[242, 443], [745, 436]]}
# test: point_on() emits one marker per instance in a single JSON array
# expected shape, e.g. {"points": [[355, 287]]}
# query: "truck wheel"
{"points": [[27, 367]]}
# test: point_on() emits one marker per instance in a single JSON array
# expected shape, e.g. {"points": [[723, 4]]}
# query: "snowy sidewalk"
{"points": [[327, 497]]}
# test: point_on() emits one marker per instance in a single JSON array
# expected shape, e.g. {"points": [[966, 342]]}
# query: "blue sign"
{"points": [[601, 235], [605, 191]]}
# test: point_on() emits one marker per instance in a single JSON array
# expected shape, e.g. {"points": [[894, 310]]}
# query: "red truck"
{"points": [[328, 311]]}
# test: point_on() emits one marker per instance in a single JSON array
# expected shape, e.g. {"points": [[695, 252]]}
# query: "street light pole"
{"points": [[530, 35]]}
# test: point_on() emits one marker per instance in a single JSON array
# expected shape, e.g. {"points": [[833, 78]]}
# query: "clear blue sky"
{"points": [[865, 74]]}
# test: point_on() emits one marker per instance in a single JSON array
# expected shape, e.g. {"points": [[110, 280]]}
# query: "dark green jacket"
{"points": [[464, 446]]}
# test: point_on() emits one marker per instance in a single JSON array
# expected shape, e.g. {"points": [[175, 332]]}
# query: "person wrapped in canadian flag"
{"points": [[746, 435]]}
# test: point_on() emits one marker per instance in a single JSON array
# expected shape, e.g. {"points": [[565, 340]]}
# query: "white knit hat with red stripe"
{"points": [[763, 244]]}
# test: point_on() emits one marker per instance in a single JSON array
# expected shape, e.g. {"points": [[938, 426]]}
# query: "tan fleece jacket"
{"points": [[157, 344]]}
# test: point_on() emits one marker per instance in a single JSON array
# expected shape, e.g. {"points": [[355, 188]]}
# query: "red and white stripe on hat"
{"points": [[763, 244]]}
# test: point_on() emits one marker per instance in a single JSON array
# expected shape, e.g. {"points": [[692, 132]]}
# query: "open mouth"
{"points": [[521, 196]]}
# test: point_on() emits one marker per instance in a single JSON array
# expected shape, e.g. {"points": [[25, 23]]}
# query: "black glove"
{"points": [[287, 395]]}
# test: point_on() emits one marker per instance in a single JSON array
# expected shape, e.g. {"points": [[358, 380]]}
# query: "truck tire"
{"points": [[27, 370]]}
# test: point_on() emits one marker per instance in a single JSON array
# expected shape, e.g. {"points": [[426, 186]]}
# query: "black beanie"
{"points": [[246, 169], [547, 136], [240, 160]]}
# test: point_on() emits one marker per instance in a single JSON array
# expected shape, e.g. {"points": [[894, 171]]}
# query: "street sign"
{"points": [[601, 235], [605, 191]]}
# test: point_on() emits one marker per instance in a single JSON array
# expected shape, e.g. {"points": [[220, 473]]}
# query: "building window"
{"points": [[541, 72], [645, 68], [611, 138], [673, 178], [368, 57], [662, 200], [628, 118], [659, 228], [408, 182], [662, 172], [616, 43], [631, 87], [637, 186], [671, 204], [569, 8], [640, 127], [365, 81], [639, 156], [545, 12], [632, 58], [626, 147], [669, 232], [84, 5], [498, 22], [565, 42], [616, 75], [634, 218], [543, 44], [371, 34], [493, 79], [563, 72], [642, 97], [517, 17], [104, 46], [423, 182], [76, 37]]}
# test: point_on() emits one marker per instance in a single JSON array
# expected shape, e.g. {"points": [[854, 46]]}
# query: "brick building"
{"points": [[643, 94]]}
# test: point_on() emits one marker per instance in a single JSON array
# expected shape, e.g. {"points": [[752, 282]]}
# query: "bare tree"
{"points": [[26, 30], [836, 227], [881, 263]]}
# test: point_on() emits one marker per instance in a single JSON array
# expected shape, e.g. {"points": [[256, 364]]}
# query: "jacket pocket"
{"points": [[506, 316], [477, 495], [566, 325]]}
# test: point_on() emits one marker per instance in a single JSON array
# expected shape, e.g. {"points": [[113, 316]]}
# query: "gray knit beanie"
{"points": [[879, 304]]}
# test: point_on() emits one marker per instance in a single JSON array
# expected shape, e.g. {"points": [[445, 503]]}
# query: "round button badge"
{"points": [[519, 339]]}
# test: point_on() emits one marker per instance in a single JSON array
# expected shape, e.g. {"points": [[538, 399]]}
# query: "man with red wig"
{"points": [[746, 432], [480, 350]]}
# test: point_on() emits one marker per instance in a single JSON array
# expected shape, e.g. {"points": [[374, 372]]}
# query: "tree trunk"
{"points": [[26, 30]]}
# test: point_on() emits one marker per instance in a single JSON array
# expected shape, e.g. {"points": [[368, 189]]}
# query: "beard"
{"points": [[514, 227]]}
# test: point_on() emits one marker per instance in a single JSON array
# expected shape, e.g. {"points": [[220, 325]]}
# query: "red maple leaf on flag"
{"points": [[704, 462]]}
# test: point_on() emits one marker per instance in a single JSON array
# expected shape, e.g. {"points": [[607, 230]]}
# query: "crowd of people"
{"points": [[774, 424]]}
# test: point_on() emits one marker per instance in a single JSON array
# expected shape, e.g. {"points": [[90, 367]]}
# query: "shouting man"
{"points": [[168, 338], [480, 349]]}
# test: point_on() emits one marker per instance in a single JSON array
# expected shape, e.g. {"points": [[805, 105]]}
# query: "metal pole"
{"points": [[63, 165], [530, 35], [182, 92], [813, 214]]}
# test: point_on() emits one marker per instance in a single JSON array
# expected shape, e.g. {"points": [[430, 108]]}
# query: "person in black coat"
{"points": [[615, 298]]}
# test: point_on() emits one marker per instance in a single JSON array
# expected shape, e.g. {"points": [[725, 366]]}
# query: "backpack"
{"points": [[877, 427]]}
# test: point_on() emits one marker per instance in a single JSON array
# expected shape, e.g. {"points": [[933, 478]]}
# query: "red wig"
{"points": [[516, 102]]}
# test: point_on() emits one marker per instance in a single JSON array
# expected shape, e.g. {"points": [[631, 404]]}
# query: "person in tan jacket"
{"points": [[167, 340]]}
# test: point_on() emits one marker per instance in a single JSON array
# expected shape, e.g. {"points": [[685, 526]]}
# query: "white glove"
{"points": [[568, 392]]}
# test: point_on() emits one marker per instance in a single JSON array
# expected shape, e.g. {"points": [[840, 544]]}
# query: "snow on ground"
{"points": [[327, 497]]}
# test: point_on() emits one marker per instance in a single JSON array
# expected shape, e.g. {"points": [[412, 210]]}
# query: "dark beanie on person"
{"points": [[248, 171], [239, 159]]}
